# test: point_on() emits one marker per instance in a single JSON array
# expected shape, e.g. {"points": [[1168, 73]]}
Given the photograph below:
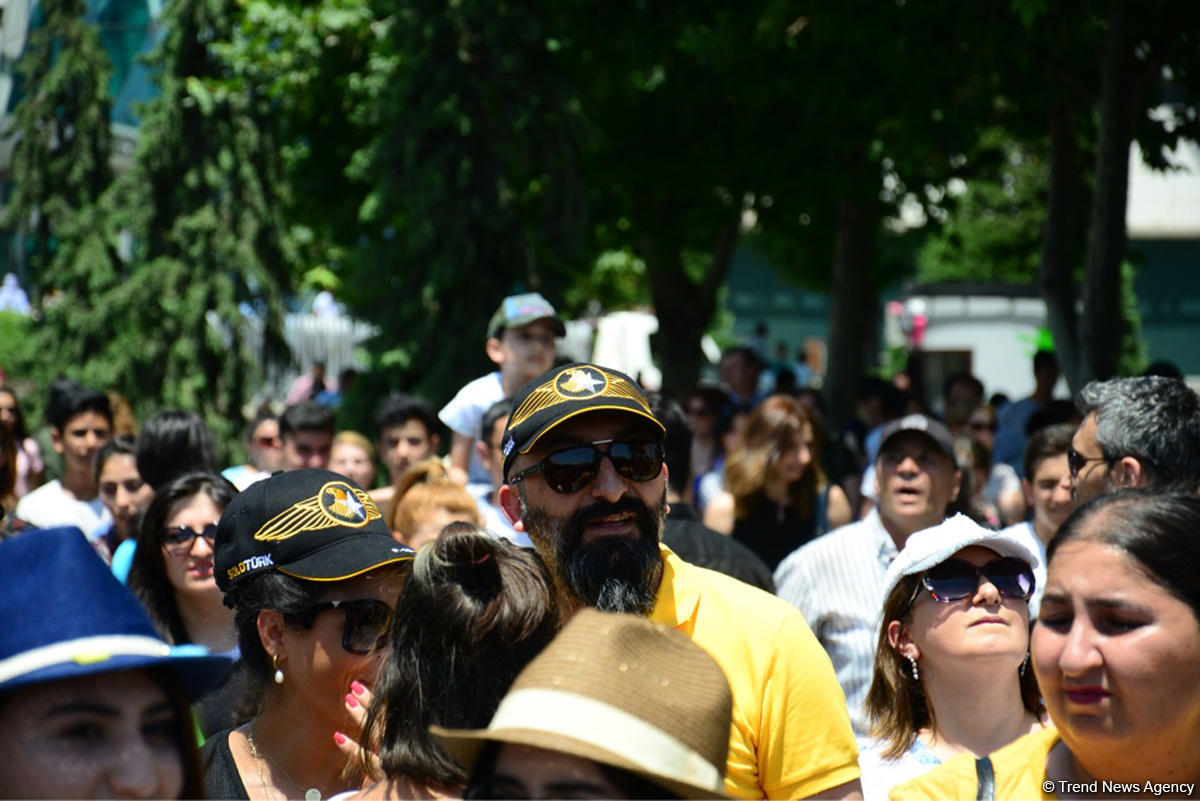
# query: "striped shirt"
{"points": [[836, 581]]}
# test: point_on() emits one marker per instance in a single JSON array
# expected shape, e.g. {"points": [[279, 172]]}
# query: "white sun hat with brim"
{"points": [[621, 691], [932, 546]]}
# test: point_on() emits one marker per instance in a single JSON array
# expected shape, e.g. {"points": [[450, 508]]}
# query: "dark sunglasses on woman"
{"points": [[955, 579], [365, 626], [178, 540]]}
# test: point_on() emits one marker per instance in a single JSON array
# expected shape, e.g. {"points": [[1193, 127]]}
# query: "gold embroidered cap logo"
{"points": [[578, 383], [335, 504]]}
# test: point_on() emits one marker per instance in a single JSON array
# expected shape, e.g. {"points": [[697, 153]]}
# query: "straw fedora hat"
{"points": [[622, 691]]}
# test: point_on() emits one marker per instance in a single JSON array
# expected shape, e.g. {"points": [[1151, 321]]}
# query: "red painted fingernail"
{"points": [[358, 688], [339, 738], [351, 701]]}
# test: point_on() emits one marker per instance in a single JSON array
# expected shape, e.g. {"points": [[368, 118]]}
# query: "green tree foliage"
{"points": [[60, 162], [474, 195], [994, 226], [202, 205], [149, 295]]}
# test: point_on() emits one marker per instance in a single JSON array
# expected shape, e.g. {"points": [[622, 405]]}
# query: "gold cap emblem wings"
{"points": [[336, 504]]}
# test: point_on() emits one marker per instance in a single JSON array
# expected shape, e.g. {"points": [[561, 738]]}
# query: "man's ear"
{"points": [[435, 442], [56, 440], [957, 485], [1129, 472], [495, 349], [901, 641], [510, 504], [1027, 491]]}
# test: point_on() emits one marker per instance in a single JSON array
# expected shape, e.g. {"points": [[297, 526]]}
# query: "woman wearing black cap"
{"points": [[312, 575]]}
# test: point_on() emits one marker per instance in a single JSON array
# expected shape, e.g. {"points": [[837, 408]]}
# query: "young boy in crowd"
{"points": [[408, 432], [306, 432], [1047, 485], [520, 340], [81, 422]]}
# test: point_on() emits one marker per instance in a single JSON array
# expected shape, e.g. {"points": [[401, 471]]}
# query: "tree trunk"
{"points": [[854, 306], [1102, 326], [1058, 242], [684, 308]]}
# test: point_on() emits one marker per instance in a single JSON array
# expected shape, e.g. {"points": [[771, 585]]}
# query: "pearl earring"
{"points": [[912, 661], [1024, 665], [279, 671]]}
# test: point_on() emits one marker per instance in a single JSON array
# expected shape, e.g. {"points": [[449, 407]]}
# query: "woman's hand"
{"points": [[357, 701]]}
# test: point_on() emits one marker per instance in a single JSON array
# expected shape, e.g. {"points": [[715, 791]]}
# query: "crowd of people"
{"points": [[597, 591]]}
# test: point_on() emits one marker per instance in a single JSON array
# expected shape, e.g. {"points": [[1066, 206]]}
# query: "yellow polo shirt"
{"points": [[791, 734], [1019, 767]]}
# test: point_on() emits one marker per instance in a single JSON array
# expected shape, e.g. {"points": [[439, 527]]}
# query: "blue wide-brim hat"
{"points": [[65, 616]]}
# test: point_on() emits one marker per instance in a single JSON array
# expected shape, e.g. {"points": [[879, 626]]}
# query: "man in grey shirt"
{"points": [[836, 580]]}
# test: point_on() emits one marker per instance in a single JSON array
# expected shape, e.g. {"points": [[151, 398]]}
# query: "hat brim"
{"points": [[348, 557], [556, 325], [464, 746], [1001, 545], [616, 406], [943, 448], [196, 670]]}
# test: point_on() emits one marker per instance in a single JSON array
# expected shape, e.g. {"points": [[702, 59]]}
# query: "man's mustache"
{"points": [[600, 509]]}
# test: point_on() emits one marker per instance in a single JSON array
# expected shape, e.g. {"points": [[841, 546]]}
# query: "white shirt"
{"points": [[880, 775], [49, 506], [835, 581], [464, 414]]}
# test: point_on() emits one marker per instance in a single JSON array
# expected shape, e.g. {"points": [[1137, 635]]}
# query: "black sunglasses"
{"points": [[365, 627], [572, 469], [956, 579], [1076, 460], [178, 540]]}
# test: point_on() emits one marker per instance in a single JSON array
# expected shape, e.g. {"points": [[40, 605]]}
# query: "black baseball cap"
{"points": [[310, 524], [564, 392], [926, 425]]}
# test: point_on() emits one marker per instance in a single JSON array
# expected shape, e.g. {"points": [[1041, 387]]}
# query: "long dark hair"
{"points": [[172, 443], [249, 596], [476, 610], [147, 574], [19, 430]]}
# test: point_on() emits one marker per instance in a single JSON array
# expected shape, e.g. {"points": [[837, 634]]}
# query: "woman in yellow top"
{"points": [[1115, 652]]}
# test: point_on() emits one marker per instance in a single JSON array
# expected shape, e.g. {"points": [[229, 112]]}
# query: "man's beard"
{"points": [[613, 573]]}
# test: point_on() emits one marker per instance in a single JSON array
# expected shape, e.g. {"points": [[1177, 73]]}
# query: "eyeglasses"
{"points": [[366, 623], [178, 540], [572, 469], [1076, 460], [980, 425], [956, 579]]}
